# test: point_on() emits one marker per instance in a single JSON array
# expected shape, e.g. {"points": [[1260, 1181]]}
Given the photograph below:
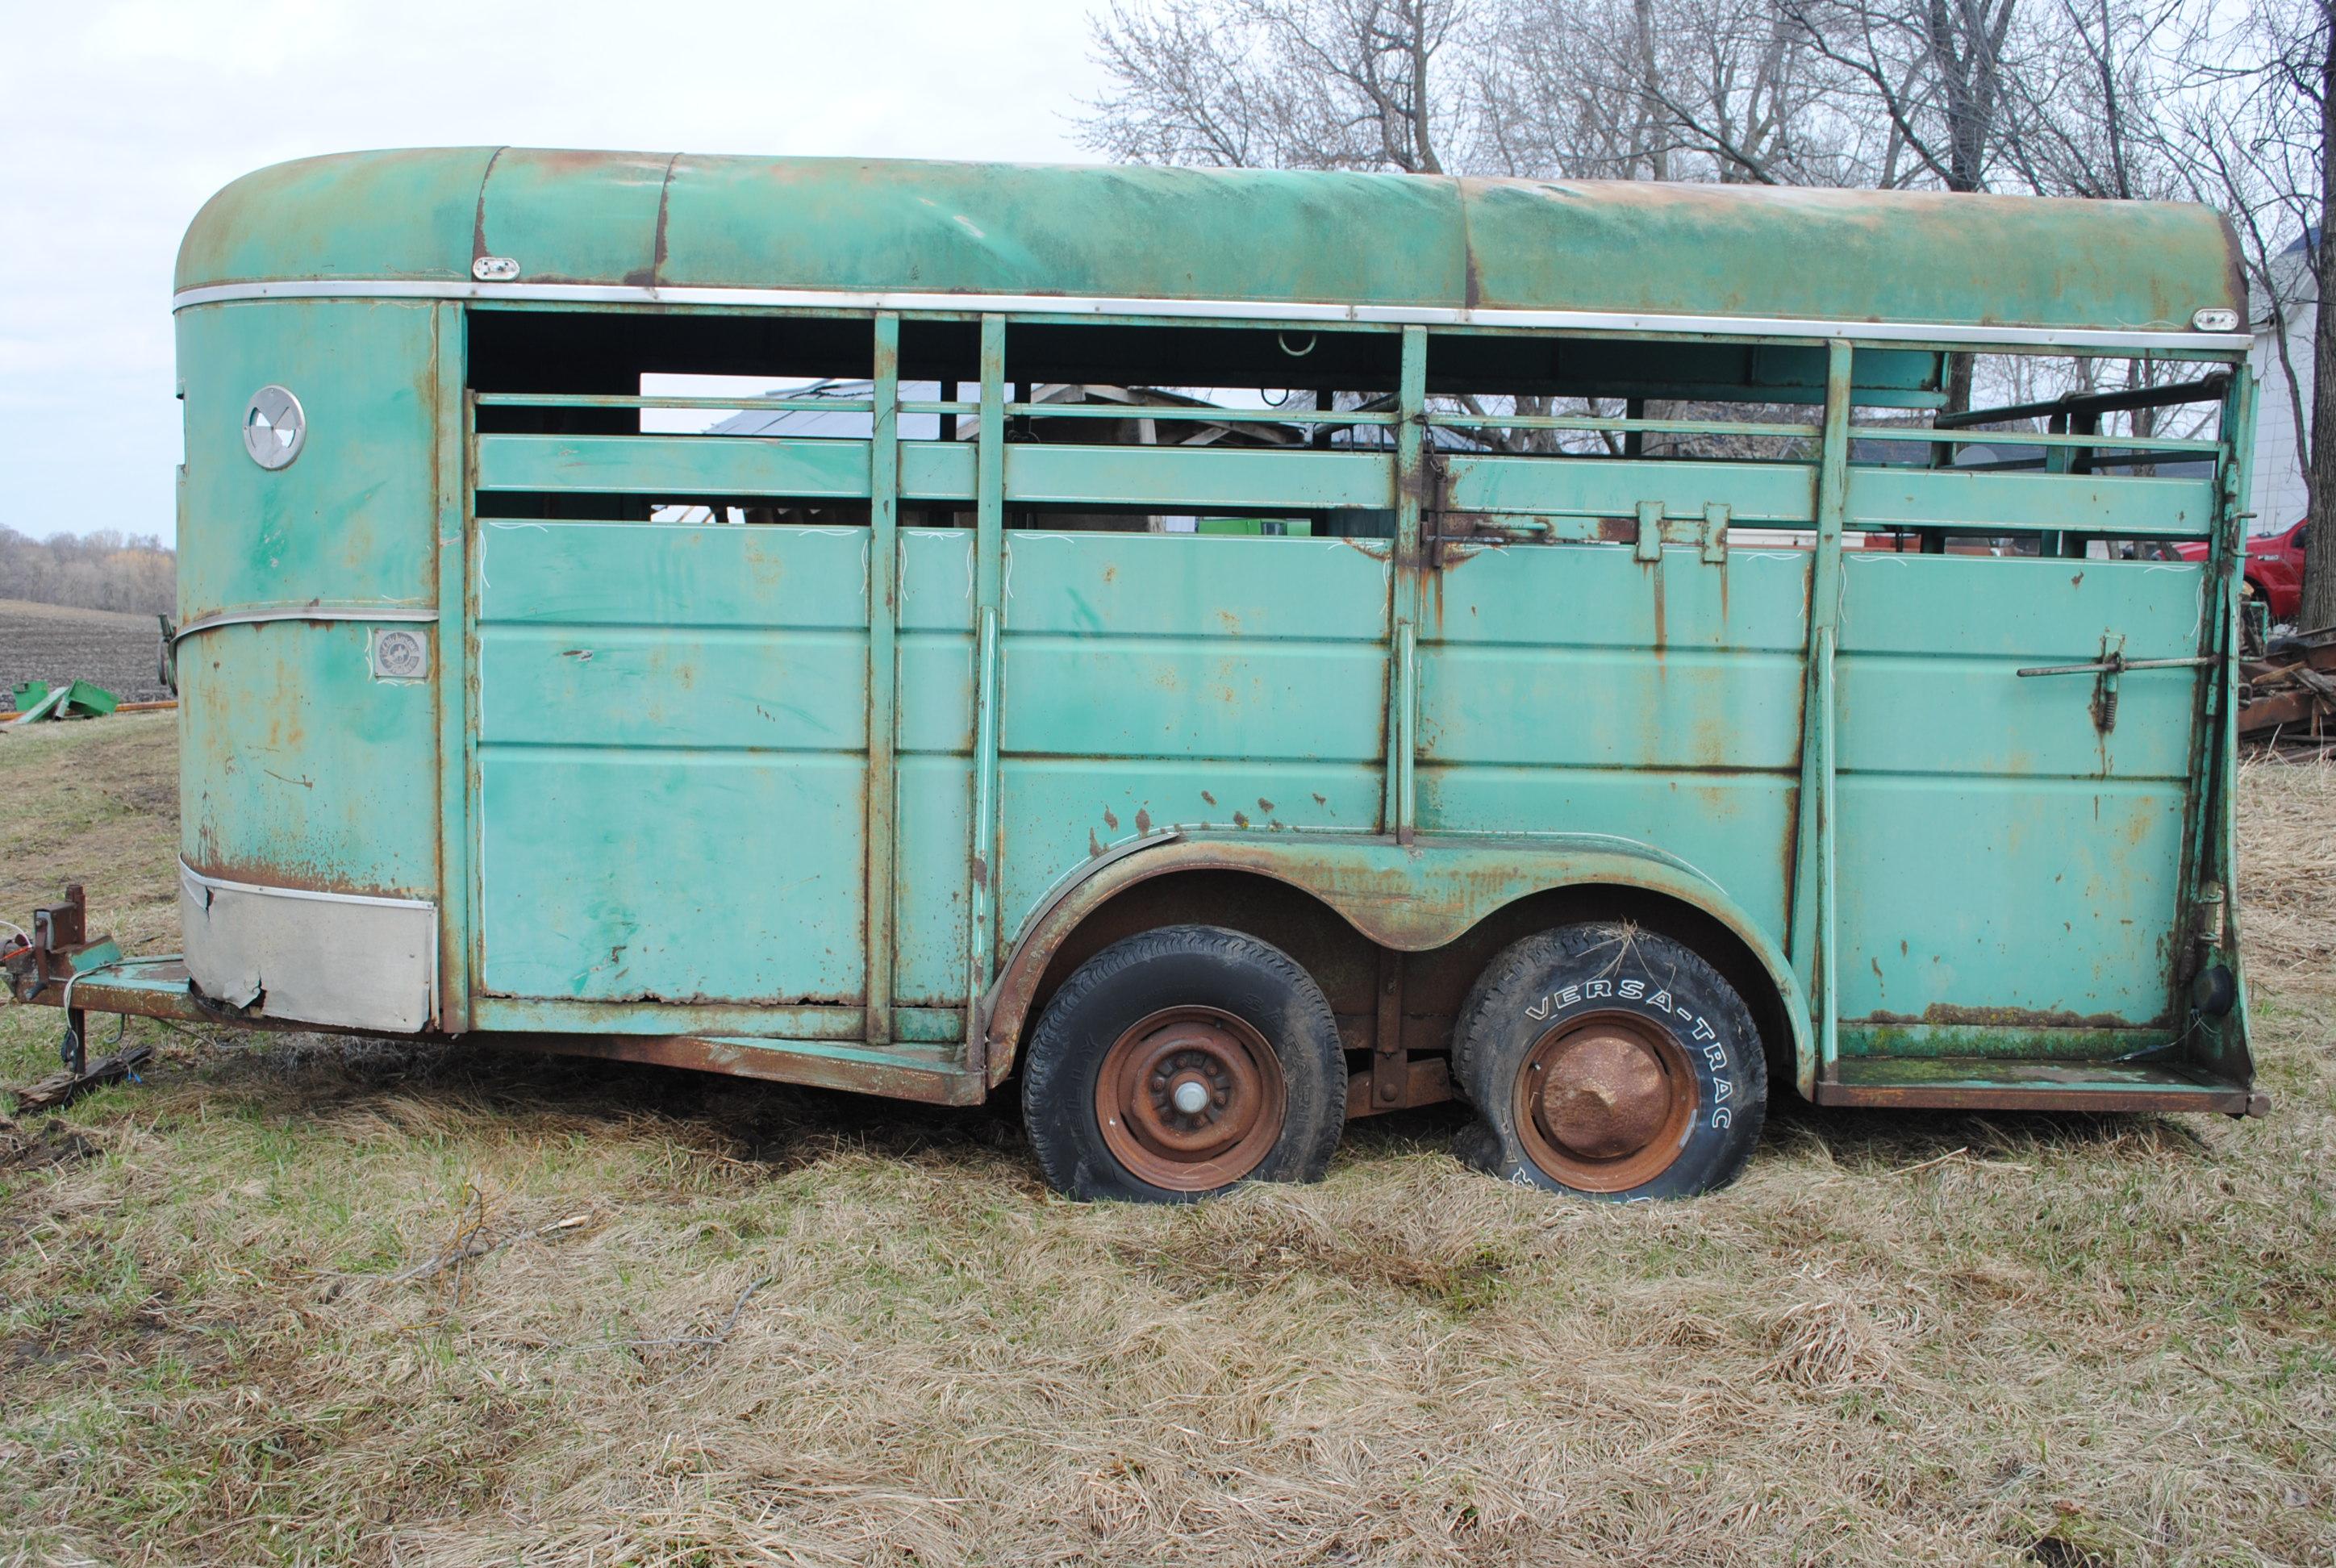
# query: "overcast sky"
{"points": [[120, 119]]}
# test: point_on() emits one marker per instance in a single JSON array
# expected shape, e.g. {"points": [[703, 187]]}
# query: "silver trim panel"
{"points": [[305, 612], [1592, 321], [347, 960]]}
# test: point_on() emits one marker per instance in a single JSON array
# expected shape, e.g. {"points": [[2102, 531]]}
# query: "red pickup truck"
{"points": [[2274, 569]]}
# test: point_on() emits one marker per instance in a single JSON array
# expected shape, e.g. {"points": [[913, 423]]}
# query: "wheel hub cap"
{"points": [[1605, 1103], [1603, 1094], [1191, 1100]]}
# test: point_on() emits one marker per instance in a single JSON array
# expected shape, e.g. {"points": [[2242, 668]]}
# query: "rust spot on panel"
{"points": [[1110, 821], [1265, 806], [479, 214], [1208, 797], [1095, 845], [285, 874], [1240, 821], [665, 202], [1142, 821]]}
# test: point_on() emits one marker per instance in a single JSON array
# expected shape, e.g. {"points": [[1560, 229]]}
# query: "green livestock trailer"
{"points": [[1562, 646]]}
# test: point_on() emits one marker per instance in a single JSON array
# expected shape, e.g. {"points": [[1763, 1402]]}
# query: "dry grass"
{"points": [[786, 1327]]}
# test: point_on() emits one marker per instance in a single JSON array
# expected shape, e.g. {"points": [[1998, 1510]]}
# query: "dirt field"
{"points": [[729, 1323], [53, 643]]}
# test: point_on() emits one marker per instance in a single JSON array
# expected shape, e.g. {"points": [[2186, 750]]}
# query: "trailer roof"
{"points": [[1270, 244]]}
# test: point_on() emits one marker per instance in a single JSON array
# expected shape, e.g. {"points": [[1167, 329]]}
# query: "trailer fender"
{"points": [[1409, 897]]}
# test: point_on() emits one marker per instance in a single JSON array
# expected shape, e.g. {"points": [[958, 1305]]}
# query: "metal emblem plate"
{"points": [[399, 654], [275, 427]]}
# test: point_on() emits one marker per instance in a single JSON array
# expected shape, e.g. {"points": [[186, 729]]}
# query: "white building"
{"points": [[2279, 493]]}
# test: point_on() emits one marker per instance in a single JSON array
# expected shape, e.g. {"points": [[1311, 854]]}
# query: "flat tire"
{"points": [[1609, 1061], [1181, 1062]]}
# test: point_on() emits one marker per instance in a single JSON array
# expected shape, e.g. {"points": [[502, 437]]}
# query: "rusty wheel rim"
{"points": [[1191, 1099], [1605, 1103]]}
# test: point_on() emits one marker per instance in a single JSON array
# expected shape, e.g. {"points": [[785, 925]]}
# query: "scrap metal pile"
{"points": [[2290, 693], [35, 700]]}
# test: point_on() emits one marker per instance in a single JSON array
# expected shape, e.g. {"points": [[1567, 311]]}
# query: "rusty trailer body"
{"points": [[512, 715]]}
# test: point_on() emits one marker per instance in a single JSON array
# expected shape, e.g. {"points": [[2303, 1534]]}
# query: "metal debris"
{"points": [[2291, 693], [37, 700]]}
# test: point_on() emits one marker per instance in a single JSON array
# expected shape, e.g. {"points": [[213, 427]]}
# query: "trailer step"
{"points": [[1982, 1084]]}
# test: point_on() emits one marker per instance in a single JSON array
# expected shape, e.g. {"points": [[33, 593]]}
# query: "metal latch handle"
{"points": [[2106, 669], [2116, 664]]}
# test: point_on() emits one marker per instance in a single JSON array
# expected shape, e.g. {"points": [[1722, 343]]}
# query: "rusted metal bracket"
{"points": [[1708, 534], [60, 948], [60, 951], [1390, 1064], [1650, 530]]}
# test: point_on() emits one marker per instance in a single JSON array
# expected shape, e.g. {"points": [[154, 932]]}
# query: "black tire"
{"points": [[1652, 1081], [1247, 1015]]}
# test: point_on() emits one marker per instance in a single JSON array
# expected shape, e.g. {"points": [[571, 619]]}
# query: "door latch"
{"points": [[2106, 670]]}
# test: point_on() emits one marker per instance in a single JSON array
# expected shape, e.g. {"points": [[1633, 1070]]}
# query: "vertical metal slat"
{"points": [[457, 897], [883, 619], [989, 578], [1814, 912], [1398, 808]]}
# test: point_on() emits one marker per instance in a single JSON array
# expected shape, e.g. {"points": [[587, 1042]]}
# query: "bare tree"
{"points": [[2084, 112], [1705, 90], [2252, 131], [1931, 74], [2081, 98], [1281, 85], [2308, 70]]}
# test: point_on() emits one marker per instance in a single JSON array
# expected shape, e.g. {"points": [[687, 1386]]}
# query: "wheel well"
{"points": [[1344, 963], [1338, 957]]}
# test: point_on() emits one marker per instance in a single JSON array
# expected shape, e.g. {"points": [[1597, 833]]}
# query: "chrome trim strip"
{"points": [[1220, 309], [199, 879], [305, 612]]}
